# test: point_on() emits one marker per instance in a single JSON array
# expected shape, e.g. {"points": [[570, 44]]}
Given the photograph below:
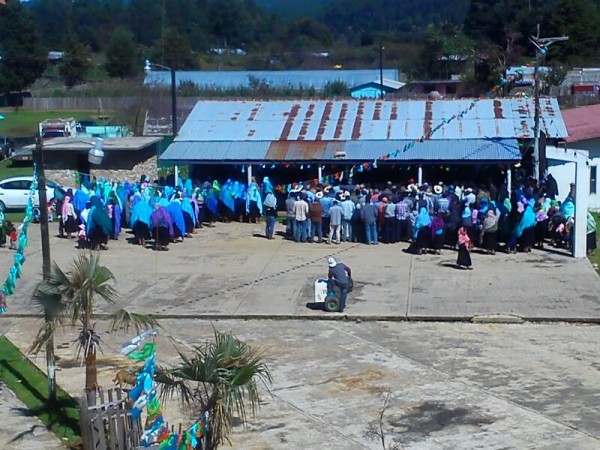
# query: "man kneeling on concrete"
{"points": [[339, 274]]}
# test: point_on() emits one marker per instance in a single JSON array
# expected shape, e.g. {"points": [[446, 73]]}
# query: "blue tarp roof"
{"points": [[450, 150]]}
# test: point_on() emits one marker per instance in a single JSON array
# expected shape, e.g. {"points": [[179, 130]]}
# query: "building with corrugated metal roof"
{"points": [[296, 79], [346, 133]]}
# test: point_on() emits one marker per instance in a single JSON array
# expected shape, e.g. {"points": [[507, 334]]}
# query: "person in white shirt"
{"points": [[301, 214]]}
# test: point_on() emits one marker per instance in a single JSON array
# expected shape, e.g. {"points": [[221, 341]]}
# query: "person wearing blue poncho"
{"points": [[422, 231], [526, 227], [189, 216], [567, 208], [80, 198], [227, 199], [99, 224], [211, 200], [254, 203], [239, 201], [141, 221], [176, 213]]}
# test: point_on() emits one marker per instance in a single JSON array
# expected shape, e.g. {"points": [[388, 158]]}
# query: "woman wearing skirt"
{"points": [[528, 239], [422, 232], [141, 220], [438, 231], [488, 238], [464, 249], [69, 217]]}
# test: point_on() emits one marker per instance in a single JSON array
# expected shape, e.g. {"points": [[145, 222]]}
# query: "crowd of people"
{"points": [[429, 218], [433, 217]]}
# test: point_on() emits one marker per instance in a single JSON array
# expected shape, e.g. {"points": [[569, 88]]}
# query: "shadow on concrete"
{"points": [[315, 306]]}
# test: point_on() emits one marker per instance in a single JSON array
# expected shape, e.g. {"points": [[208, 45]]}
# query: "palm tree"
{"points": [[220, 377], [69, 298]]}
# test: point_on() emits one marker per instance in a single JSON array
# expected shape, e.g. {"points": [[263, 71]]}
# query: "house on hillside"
{"points": [[376, 89], [583, 81], [583, 126], [452, 87]]}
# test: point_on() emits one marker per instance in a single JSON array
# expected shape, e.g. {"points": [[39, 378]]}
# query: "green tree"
{"points": [[145, 20], [446, 50], [174, 51], [336, 89], [69, 298], [76, 62], [220, 377], [121, 54], [23, 57], [579, 20], [51, 25]]}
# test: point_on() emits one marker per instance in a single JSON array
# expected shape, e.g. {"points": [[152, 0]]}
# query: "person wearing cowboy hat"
{"points": [[339, 274]]}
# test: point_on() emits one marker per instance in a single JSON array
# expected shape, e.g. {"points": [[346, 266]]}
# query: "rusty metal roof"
{"points": [[234, 152], [364, 120]]}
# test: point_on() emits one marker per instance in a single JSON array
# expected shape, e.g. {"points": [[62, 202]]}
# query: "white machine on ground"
{"points": [[329, 299]]}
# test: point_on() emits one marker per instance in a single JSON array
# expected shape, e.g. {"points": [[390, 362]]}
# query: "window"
{"points": [[593, 176], [14, 185]]}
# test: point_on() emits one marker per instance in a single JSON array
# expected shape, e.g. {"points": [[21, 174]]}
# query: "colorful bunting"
{"points": [[143, 395]]}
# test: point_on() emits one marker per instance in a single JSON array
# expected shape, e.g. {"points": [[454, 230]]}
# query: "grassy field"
{"points": [[24, 123], [31, 387]]}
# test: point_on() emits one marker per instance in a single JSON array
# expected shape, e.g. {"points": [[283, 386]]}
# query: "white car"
{"points": [[14, 192]]}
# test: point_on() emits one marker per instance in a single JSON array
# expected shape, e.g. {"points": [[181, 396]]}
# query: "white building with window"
{"points": [[583, 125]]}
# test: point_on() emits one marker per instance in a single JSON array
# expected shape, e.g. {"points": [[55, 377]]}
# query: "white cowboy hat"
{"points": [[319, 194], [437, 189], [412, 187], [331, 262]]}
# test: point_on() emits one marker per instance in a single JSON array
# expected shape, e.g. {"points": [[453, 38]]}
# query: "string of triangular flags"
{"points": [[8, 287], [143, 395]]}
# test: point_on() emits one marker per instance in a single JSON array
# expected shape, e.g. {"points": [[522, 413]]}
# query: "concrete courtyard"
{"points": [[450, 384]]}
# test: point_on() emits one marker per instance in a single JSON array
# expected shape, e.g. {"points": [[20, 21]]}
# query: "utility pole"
{"points": [[45, 235], [541, 48], [381, 49]]}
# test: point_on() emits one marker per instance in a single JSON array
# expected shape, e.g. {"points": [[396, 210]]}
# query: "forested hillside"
{"points": [[422, 38]]}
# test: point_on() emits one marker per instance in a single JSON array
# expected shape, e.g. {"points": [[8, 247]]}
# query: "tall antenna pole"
{"points": [[541, 48]]}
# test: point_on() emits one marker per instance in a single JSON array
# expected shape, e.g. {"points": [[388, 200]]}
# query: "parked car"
{"points": [[14, 192]]}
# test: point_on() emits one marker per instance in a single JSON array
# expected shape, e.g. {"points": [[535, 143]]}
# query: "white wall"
{"points": [[564, 173]]}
